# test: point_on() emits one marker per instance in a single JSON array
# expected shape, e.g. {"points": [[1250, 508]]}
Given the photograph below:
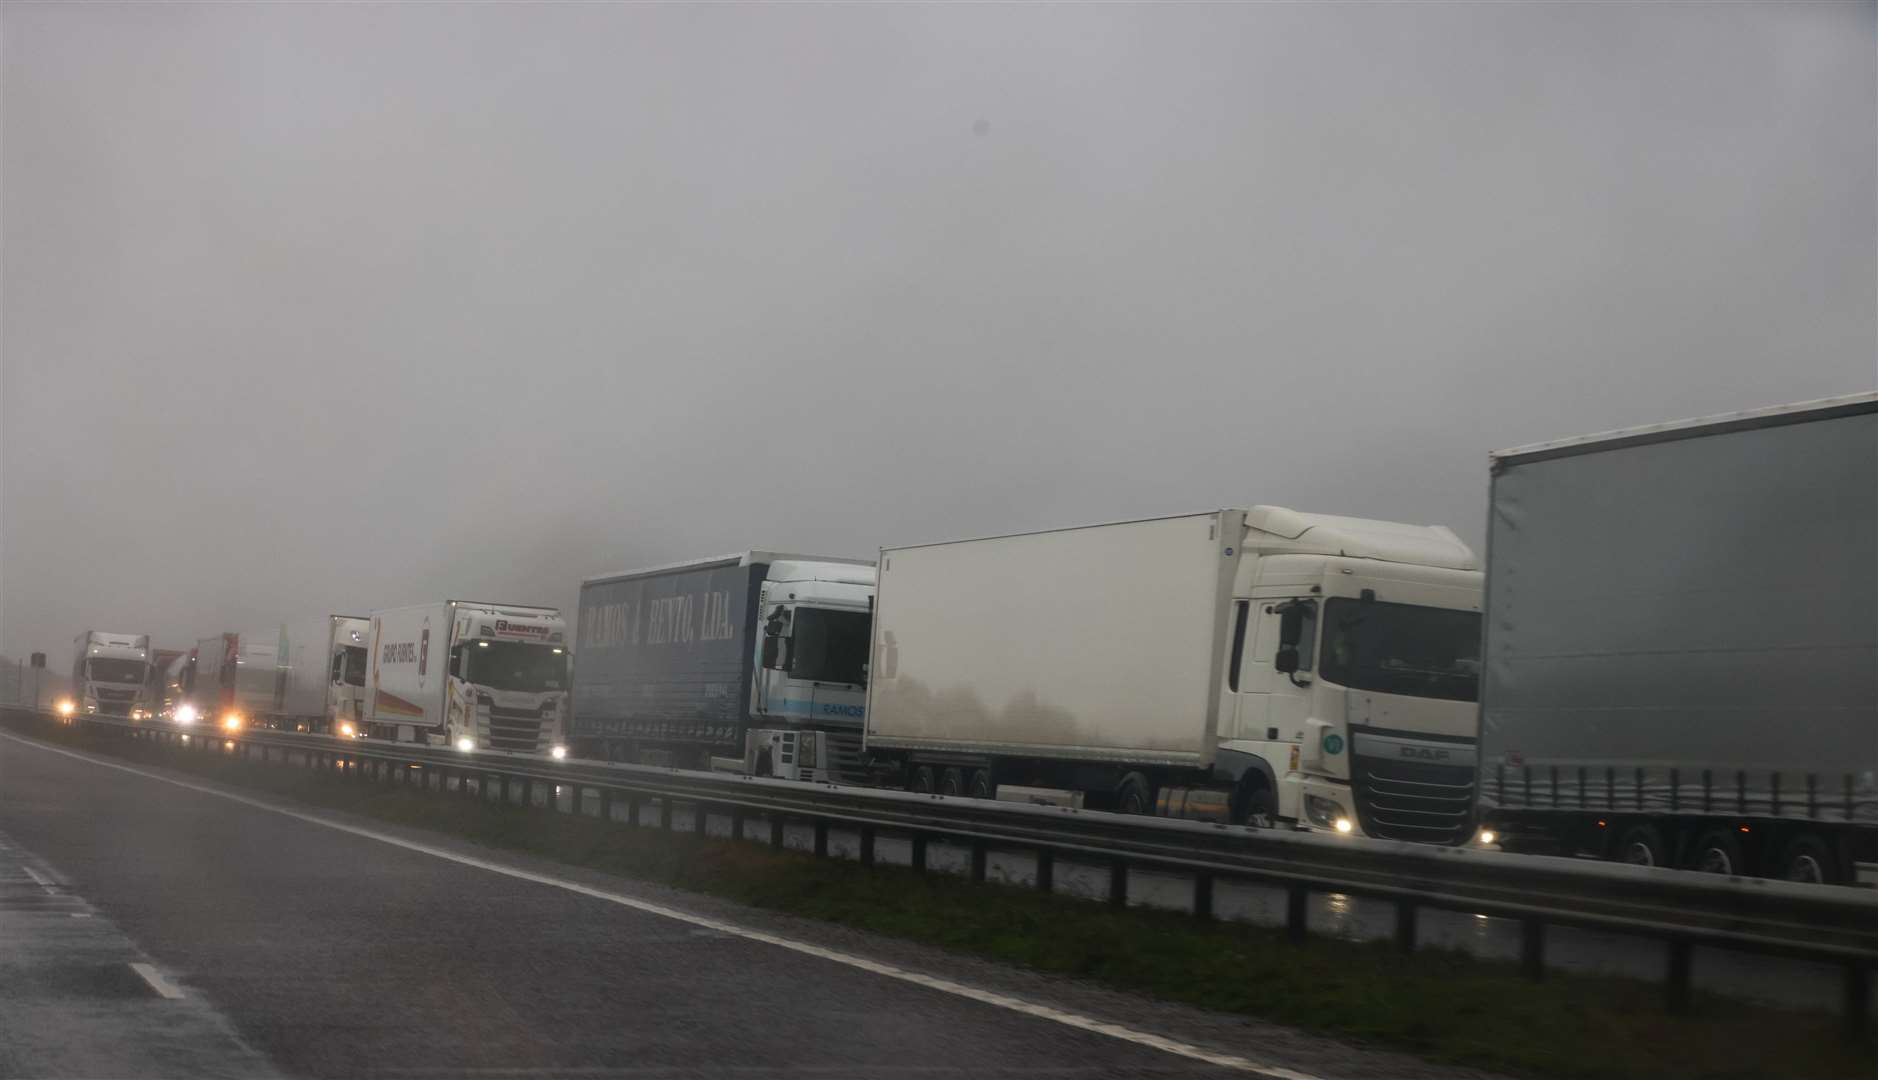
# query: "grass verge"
{"points": [[1443, 1006]]}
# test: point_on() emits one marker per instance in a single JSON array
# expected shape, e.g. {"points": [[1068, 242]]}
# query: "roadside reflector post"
{"points": [[1297, 912], [1046, 871], [867, 844], [665, 812], [821, 839], [1857, 1000], [1405, 920], [918, 860], [1532, 949], [736, 822], [1203, 895], [606, 804], [1676, 981], [1118, 883], [776, 831], [980, 855]]}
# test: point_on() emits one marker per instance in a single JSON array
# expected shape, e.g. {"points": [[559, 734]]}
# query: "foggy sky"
{"points": [[327, 308]]}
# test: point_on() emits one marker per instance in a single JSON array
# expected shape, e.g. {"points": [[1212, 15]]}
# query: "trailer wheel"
{"points": [[952, 782], [1716, 852], [1642, 845], [922, 780], [980, 786], [1134, 795], [1809, 858]]}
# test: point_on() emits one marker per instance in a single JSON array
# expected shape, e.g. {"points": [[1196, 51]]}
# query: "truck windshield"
{"points": [[831, 646], [104, 669], [1402, 649], [352, 671], [513, 665]]}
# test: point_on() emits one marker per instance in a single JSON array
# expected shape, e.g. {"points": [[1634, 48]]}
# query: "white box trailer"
{"points": [[1682, 643], [1249, 665], [467, 674]]}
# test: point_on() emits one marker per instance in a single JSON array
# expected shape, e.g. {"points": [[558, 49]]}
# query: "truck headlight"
{"points": [[558, 753], [346, 730], [466, 744], [1326, 813], [66, 708], [185, 714], [232, 721]]}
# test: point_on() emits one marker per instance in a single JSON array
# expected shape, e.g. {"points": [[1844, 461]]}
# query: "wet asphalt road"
{"points": [[330, 954]]}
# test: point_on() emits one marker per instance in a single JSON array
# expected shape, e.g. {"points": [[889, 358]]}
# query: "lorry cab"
{"points": [[810, 670], [1352, 674], [111, 674], [508, 680], [345, 708]]}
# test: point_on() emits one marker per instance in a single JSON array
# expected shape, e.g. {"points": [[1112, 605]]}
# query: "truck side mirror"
{"points": [[1290, 630], [1287, 659], [770, 643]]}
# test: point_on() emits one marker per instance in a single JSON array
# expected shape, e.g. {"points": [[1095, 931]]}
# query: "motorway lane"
{"points": [[335, 955]]}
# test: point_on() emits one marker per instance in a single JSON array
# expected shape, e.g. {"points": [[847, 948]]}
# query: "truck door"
{"points": [[1267, 701]]}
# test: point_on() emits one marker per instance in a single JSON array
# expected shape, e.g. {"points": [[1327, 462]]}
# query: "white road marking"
{"points": [[42, 880], [931, 982], [157, 982]]}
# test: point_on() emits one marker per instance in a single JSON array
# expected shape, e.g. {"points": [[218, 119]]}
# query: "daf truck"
{"points": [[1682, 644], [471, 675], [1257, 666], [754, 662], [110, 674]]}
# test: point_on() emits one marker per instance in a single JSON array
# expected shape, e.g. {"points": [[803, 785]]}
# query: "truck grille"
{"points": [[847, 764], [1408, 800], [115, 702], [512, 729]]}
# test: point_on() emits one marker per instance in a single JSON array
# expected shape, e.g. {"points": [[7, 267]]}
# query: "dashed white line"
{"points": [[931, 982], [41, 880], [157, 982]]}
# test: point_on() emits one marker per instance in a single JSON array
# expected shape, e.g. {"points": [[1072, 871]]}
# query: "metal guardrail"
{"points": [[1827, 924]]}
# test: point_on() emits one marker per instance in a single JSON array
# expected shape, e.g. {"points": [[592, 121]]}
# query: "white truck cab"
{"points": [[809, 676], [471, 675], [1357, 649], [111, 674]]}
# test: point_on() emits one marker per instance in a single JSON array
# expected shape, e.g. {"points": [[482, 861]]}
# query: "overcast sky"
{"points": [[325, 308]]}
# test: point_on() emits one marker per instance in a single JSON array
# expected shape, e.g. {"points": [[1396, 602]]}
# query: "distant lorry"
{"points": [[471, 675], [175, 688], [1682, 644], [305, 675], [110, 674], [754, 662], [1256, 666]]}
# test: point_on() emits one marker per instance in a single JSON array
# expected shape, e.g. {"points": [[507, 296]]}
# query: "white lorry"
{"points": [[1255, 666], [471, 675], [305, 675], [754, 662], [110, 674]]}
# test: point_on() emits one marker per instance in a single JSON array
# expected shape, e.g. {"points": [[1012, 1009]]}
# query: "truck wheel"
{"points": [[979, 786], [1134, 795], [1809, 858], [1641, 845], [922, 780], [952, 782], [1716, 852], [1253, 803]]}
